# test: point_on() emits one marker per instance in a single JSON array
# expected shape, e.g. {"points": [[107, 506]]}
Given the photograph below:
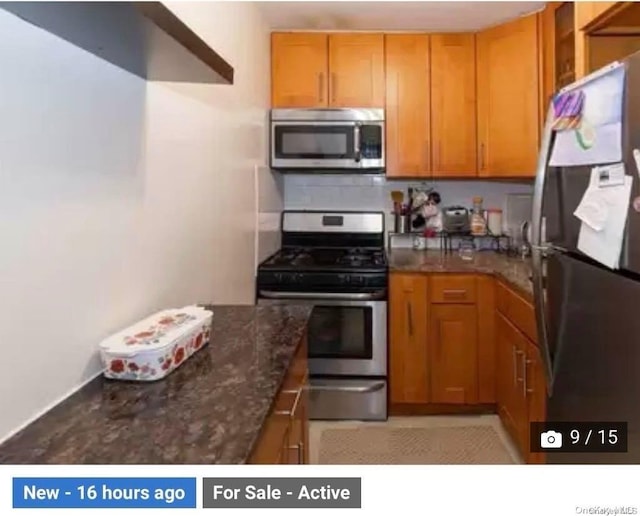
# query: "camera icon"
{"points": [[551, 439]]}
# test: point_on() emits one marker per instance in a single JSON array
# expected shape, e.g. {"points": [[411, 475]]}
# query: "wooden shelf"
{"points": [[144, 38]]}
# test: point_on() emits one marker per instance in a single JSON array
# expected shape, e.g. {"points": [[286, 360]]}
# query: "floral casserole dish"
{"points": [[150, 349]]}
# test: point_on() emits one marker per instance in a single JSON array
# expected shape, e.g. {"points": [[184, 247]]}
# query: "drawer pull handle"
{"points": [[349, 388], [410, 319], [294, 408]]}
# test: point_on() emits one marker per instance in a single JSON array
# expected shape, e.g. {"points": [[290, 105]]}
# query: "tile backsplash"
{"points": [[373, 192]]}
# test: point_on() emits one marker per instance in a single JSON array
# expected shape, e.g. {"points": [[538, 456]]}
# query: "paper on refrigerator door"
{"points": [[598, 139], [603, 213]]}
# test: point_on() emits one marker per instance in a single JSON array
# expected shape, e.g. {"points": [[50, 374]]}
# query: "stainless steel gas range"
{"points": [[336, 262]]}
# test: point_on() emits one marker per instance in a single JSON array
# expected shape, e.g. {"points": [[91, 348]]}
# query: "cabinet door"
{"points": [[453, 105], [356, 65], [408, 377], [507, 392], [536, 391], [453, 354], [299, 70], [511, 404], [408, 118], [508, 99]]}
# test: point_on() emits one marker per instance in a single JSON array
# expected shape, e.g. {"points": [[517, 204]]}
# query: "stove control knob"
{"points": [[345, 279]]}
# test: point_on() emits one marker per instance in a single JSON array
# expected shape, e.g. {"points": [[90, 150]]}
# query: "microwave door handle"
{"points": [[356, 142]]}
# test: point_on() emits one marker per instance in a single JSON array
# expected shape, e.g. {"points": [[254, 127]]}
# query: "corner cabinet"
{"points": [[465, 343], [509, 82]]}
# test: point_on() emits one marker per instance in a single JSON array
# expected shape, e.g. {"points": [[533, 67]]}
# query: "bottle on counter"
{"points": [[478, 222]]}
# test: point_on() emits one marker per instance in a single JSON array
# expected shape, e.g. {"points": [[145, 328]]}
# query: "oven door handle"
{"points": [[348, 388], [356, 296]]}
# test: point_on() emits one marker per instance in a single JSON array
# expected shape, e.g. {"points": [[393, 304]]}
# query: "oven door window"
{"points": [[314, 142], [340, 332]]}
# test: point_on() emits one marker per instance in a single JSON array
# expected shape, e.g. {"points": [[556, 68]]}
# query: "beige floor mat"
{"points": [[389, 445]]}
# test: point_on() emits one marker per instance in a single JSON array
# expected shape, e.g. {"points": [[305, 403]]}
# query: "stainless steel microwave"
{"points": [[328, 140]]}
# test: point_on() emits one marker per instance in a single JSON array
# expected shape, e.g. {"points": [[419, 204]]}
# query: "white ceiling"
{"points": [[390, 16]]}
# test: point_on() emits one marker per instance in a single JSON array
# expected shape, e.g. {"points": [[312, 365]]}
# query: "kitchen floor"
{"points": [[413, 440]]}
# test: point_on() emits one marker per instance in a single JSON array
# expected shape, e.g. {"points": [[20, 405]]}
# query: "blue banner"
{"points": [[108, 493]]}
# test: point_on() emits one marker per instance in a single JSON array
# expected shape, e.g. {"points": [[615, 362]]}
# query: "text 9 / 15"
{"points": [[579, 437]]}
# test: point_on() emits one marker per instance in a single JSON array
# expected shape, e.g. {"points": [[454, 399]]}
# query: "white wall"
{"points": [[119, 197]]}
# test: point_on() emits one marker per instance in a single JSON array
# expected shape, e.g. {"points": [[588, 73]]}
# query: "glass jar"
{"points": [[494, 221], [478, 222], [466, 249]]}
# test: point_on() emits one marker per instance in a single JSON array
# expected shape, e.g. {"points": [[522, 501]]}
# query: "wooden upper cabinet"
{"points": [[588, 12], [408, 118], [408, 362], [453, 105], [356, 70], [508, 71], [453, 354], [299, 70]]}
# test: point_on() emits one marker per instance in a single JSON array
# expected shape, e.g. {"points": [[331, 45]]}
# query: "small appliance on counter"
{"points": [[455, 219], [152, 348]]}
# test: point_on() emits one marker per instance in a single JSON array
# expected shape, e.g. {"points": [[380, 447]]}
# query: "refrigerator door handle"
{"points": [[539, 248]]}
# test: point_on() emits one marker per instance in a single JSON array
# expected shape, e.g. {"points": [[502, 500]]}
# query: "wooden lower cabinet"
{"points": [[475, 354], [511, 401], [284, 438], [453, 354], [441, 350], [521, 385], [408, 359]]}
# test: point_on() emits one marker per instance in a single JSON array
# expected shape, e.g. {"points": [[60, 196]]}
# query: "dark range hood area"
{"points": [[145, 38]]}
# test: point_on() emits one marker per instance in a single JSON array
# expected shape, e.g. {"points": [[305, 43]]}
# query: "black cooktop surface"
{"points": [[328, 258]]}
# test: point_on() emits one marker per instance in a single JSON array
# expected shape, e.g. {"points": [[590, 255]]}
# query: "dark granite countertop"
{"points": [[208, 411], [515, 271]]}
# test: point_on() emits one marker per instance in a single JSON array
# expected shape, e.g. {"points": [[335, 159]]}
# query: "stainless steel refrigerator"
{"points": [[588, 315]]}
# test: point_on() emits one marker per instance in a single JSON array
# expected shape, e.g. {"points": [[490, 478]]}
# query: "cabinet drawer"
{"points": [[450, 288], [518, 310]]}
